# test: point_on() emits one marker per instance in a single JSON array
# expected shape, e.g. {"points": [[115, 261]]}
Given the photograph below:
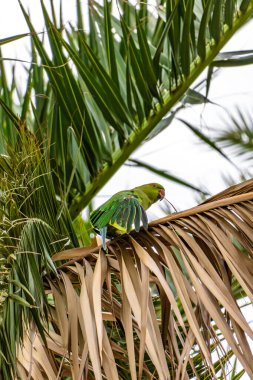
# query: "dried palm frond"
{"points": [[162, 303]]}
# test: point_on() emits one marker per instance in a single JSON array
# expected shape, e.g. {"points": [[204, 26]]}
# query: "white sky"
{"points": [[176, 149]]}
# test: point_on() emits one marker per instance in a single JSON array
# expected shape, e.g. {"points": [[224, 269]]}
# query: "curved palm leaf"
{"points": [[104, 307], [238, 135], [129, 71]]}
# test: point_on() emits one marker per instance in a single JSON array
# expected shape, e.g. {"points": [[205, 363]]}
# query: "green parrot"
{"points": [[125, 208]]}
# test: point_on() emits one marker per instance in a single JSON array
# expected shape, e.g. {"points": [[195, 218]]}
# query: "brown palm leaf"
{"points": [[162, 304]]}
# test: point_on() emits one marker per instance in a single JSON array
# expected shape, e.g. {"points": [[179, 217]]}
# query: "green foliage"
{"points": [[169, 176], [237, 137], [93, 97], [34, 225]]}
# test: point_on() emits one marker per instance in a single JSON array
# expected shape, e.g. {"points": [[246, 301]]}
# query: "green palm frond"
{"points": [[108, 88], [30, 233], [167, 175], [237, 134]]}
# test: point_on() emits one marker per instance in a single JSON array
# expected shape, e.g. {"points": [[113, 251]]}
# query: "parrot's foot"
{"points": [[105, 249]]}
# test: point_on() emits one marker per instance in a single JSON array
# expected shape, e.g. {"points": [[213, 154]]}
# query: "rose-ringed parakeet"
{"points": [[125, 209]]}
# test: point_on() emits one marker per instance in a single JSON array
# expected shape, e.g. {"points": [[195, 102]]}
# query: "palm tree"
{"points": [[162, 303]]}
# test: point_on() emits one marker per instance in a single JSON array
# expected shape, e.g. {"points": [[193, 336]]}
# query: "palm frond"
{"points": [[30, 233], [167, 175], [108, 89], [233, 58], [237, 134], [105, 316]]}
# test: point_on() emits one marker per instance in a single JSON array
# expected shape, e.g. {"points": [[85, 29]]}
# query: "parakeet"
{"points": [[125, 208]]}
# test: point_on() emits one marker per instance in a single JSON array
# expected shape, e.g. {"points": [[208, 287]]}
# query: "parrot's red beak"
{"points": [[161, 194]]}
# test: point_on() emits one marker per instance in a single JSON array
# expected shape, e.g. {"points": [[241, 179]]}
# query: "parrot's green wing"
{"points": [[124, 209]]}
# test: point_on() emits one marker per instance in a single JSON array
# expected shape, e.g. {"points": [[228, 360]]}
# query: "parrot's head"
{"points": [[160, 190], [154, 191]]}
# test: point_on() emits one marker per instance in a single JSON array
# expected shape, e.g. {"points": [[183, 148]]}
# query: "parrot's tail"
{"points": [[103, 236]]}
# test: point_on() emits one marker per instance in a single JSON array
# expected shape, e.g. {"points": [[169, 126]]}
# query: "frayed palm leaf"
{"points": [[161, 303]]}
